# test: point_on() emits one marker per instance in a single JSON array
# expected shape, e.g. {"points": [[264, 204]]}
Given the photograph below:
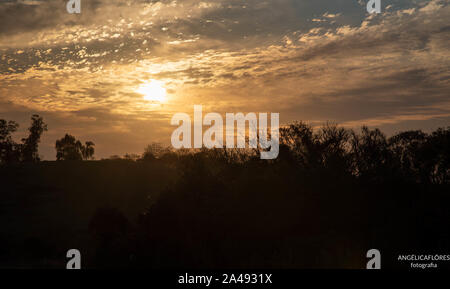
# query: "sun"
{"points": [[153, 91]]}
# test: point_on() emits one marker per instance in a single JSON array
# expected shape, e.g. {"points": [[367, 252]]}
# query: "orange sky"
{"points": [[117, 72]]}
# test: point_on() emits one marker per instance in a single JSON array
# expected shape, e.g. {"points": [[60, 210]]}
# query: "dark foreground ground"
{"points": [[150, 214], [323, 203]]}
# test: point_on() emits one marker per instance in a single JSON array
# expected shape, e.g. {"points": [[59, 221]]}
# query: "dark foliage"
{"points": [[331, 195], [27, 151], [69, 148], [30, 144]]}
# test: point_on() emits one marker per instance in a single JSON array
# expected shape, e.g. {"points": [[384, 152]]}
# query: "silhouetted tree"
{"points": [[300, 140], [154, 151], [407, 148], [8, 148], [30, 144], [88, 150], [435, 157], [370, 154], [27, 151], [326, 149], [69, 148]]}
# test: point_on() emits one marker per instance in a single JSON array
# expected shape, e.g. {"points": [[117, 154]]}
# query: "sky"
{"points": [[117, 72]]}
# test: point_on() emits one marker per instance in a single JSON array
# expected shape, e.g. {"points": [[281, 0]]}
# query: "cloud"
{"points": [[82, 72]]}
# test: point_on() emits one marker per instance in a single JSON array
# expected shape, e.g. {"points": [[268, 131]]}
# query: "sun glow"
{"points": [[153, 91]]}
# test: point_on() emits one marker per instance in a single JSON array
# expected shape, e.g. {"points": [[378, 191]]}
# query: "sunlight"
{"points": [[153, 91]]}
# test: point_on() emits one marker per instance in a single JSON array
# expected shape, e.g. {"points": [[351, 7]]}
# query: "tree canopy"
{"points": [[27, 151], [69, 148]]}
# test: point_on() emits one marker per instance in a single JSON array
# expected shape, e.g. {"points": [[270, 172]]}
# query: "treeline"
{"points": [[412, 156], [67, 148]]}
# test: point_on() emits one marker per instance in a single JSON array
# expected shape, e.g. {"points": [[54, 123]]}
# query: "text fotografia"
{"points": [[258, 133], [424, 261]]}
